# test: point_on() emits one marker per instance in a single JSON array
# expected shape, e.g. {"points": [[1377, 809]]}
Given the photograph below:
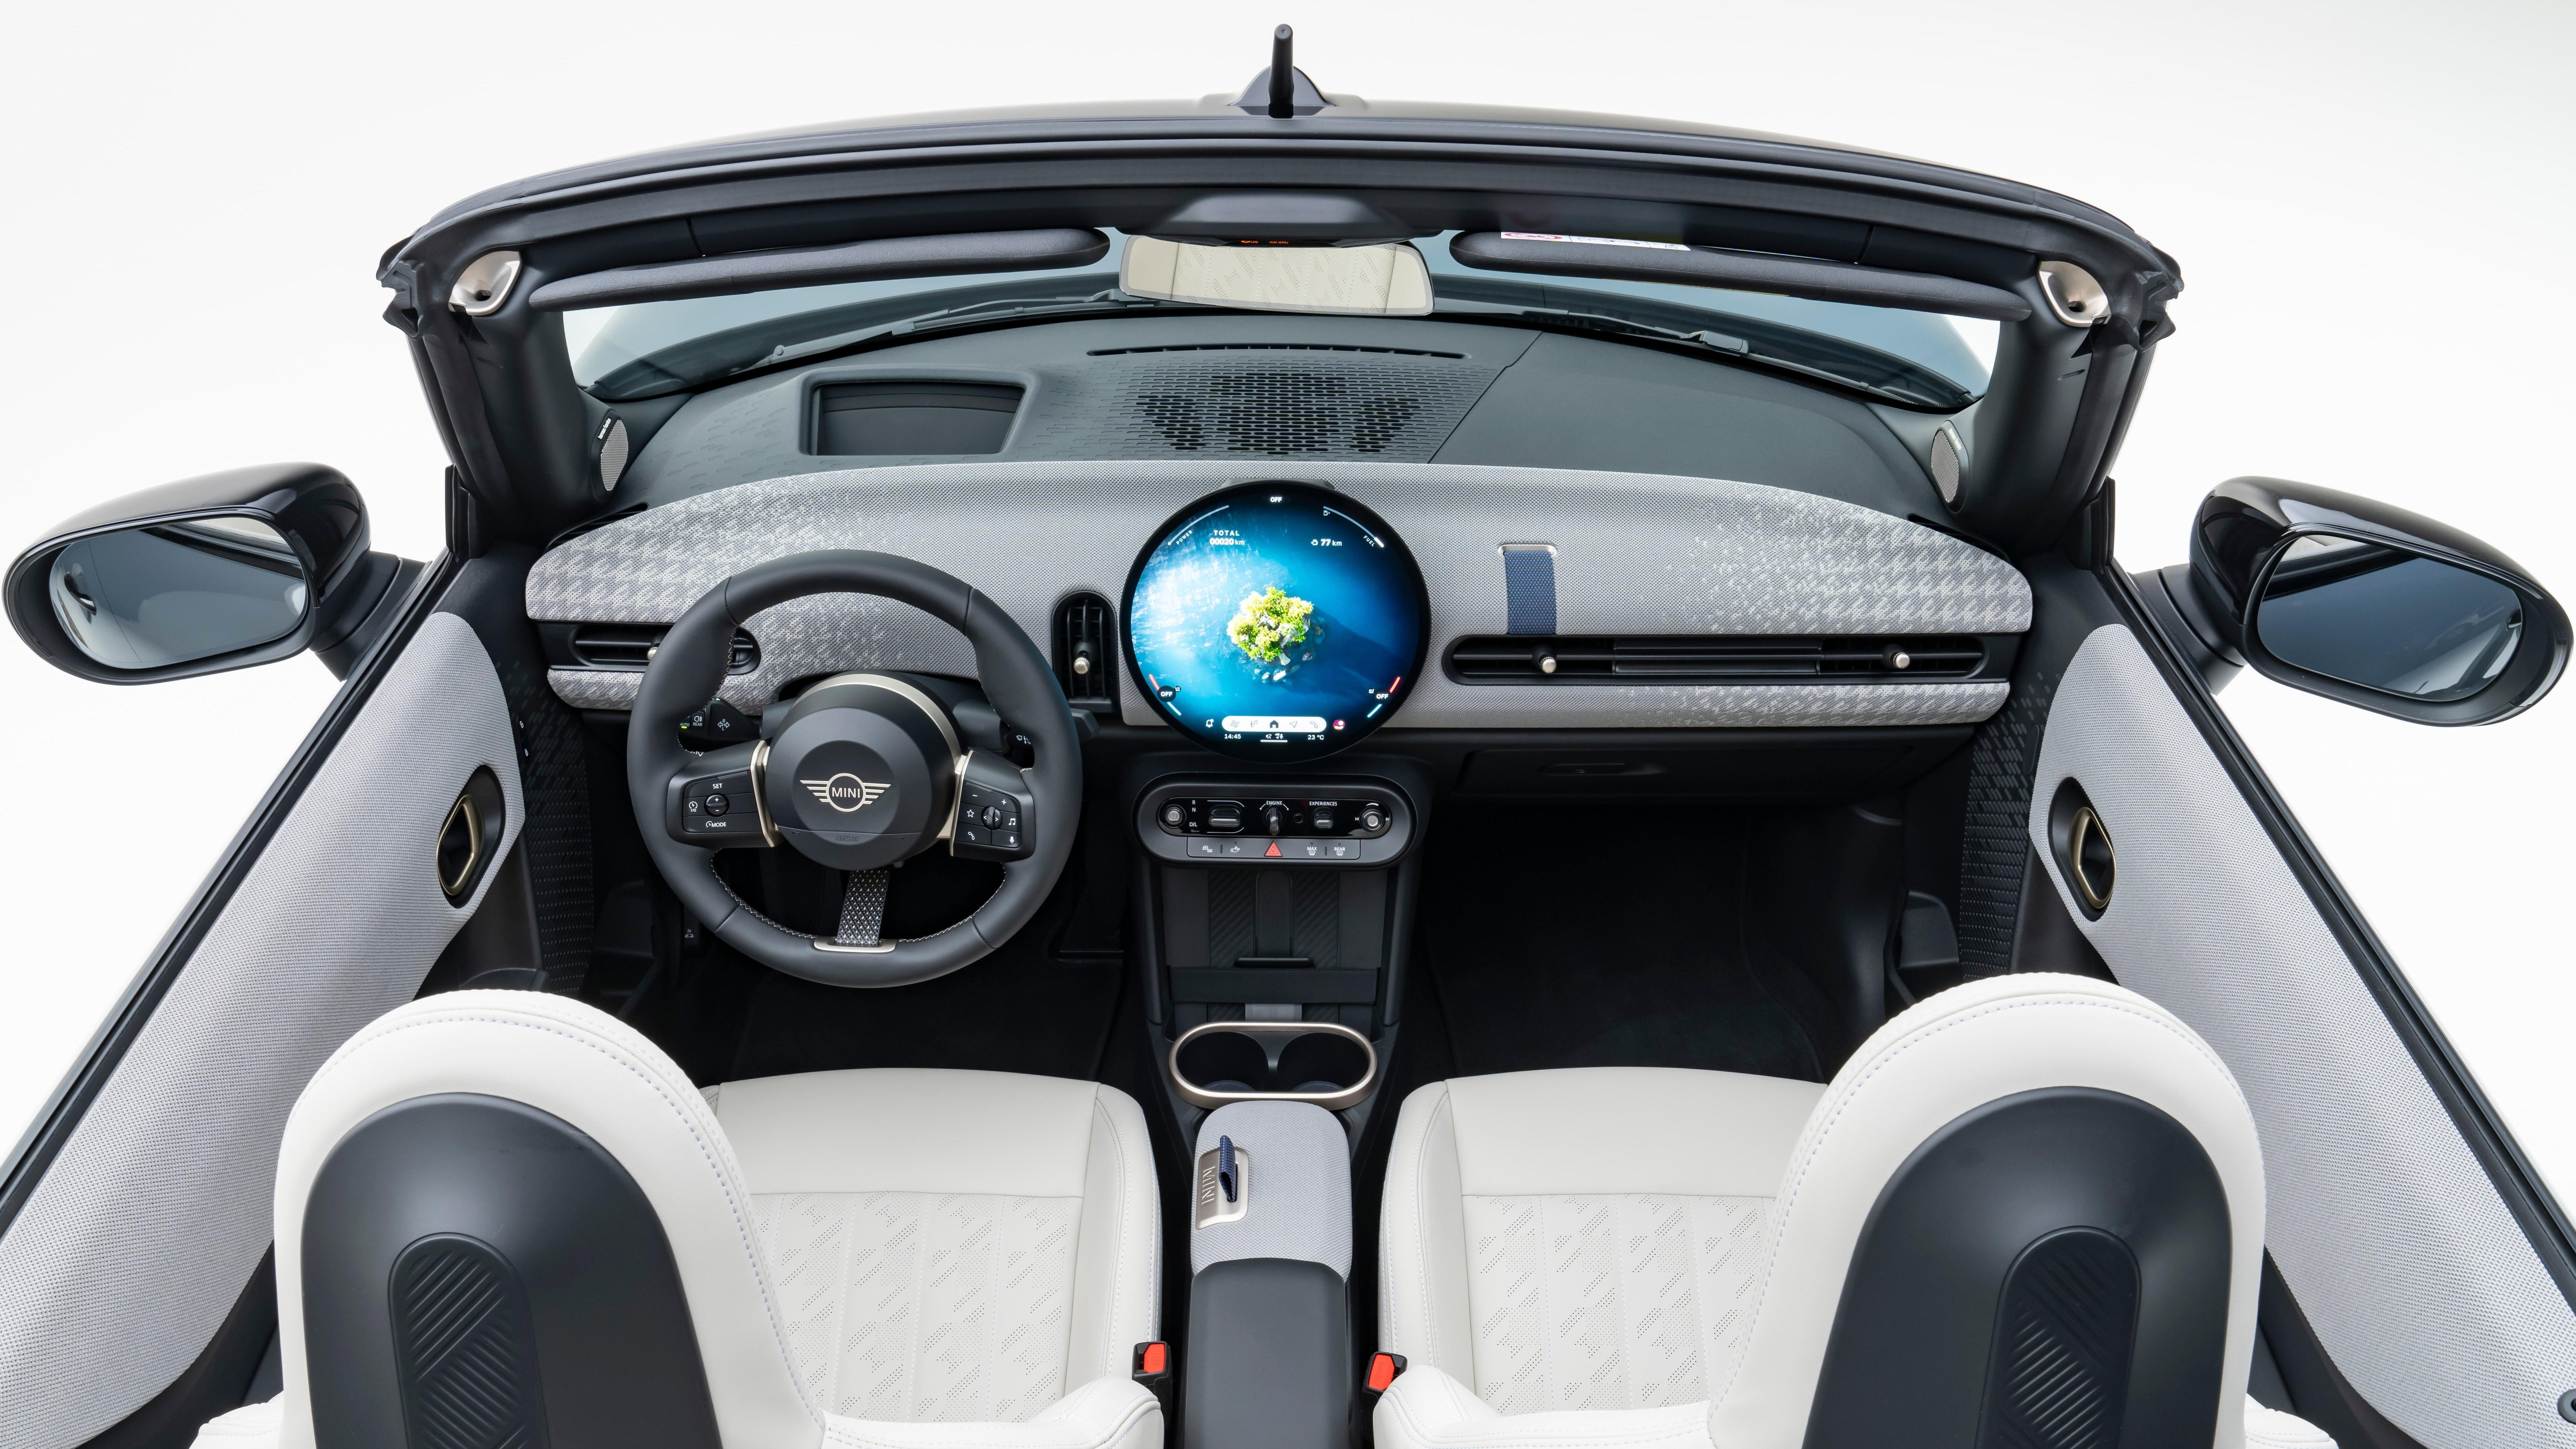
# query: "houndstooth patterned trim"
{"points": [[1637, 553]]}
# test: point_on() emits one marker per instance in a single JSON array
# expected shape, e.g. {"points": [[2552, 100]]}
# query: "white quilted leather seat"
{"points": [[897, 1258], [1638, 1257]]}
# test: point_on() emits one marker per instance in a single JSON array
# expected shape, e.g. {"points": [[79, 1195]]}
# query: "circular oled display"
{"points": [[1276, 621]]}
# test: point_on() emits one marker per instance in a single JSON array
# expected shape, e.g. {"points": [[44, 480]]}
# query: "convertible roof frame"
{"points": [[517, 428]]}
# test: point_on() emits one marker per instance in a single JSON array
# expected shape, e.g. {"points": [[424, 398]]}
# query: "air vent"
{"points": [[1273, 347], [630, 646], [1086, 646], [1701, 658]]}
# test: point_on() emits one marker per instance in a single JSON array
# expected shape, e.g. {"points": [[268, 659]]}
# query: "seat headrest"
{"points": [[2022, 1166], [590, 1107]]}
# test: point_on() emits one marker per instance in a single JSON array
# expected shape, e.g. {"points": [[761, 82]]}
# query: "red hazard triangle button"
{"points": [[1273, 851]]}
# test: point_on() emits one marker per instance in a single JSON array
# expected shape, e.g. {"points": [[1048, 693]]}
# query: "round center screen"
{"points": [[1276, 621]]}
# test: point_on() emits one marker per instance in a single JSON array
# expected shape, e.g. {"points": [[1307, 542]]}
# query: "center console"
{"points": [[1269, 1362], [1274, 913], [1271, 626]]}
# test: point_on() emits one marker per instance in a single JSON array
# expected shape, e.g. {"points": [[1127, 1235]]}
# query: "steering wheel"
{"points": [[865, 771]]}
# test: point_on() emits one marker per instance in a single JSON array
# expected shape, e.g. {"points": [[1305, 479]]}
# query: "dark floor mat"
{"points": [[1562, 936], [1021, 1009], [1022, 1015]]}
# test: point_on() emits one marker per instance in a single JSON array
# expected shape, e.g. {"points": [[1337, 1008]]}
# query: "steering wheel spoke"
{"points": [[863, 905], [713, 801], [996, 811]]}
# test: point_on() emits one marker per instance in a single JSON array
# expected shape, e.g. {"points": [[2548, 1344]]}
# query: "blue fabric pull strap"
{"points": [[1529, 588]]}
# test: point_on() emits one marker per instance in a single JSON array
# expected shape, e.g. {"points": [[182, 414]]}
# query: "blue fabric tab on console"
{"points": [[1529, 588]]}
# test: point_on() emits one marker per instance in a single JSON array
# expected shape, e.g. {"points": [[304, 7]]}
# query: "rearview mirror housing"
{"points": [[208, 574], [1377, 280], [2371, 605]]}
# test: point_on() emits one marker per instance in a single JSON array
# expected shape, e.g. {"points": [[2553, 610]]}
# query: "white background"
{"points": [[2370, 204]]}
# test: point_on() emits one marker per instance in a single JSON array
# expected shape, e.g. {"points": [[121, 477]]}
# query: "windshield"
{"points": [[649, 349]]}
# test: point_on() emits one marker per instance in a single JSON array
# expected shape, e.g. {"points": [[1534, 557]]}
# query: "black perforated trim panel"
{"points": [[1331, 406], [1997, 834]]}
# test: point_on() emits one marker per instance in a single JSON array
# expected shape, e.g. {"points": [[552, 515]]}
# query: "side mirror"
{"points": [[2367, 604], [205, 575]]}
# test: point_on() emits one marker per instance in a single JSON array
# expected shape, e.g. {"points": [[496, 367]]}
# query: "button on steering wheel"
{"points": [[865, 772]]}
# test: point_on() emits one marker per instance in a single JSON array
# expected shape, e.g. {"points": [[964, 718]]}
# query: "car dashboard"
{"points": [[1673, 544]]}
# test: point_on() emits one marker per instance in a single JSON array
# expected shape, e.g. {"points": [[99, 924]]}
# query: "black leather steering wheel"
{"points": [[865, 771]]}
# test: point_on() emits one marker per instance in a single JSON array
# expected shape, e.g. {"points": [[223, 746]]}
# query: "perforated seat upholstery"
{"points": [[949, 1246], [1643, 1257], [1583, 1239], [911, 1259]]}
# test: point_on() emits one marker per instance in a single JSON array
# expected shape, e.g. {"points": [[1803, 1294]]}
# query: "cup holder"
{"points": [[1329, 1065], [1223, 1061]]}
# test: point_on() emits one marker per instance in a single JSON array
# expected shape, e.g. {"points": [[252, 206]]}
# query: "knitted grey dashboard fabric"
{"points": [[1299, 1181], [1636, 553], [145, 1228]]}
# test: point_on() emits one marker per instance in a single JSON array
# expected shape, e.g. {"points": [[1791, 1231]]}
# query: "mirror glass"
{"points": [[2383, 617], [1369, 281], [168, 593]]}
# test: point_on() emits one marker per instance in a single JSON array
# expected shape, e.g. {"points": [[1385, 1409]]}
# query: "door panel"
{"points": [[2417, 1278], [144, 1228]]}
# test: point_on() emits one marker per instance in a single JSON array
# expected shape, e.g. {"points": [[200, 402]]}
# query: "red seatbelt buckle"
{"points": [[1383, 1370], [1153, 1369]]}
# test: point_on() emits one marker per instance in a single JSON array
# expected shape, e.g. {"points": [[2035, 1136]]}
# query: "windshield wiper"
{"points": [[754, 347], [1708, 339], [1703, 337], [1111, 300]]}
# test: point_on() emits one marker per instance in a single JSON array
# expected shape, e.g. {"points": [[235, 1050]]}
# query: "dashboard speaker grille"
{"points": [[1294, 408]]}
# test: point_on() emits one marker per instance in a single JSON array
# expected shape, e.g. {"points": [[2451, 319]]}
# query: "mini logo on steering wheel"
{"points": [[845, 792]]}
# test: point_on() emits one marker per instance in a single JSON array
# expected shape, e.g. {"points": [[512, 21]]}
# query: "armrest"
{"points": [[1269, 1363]]}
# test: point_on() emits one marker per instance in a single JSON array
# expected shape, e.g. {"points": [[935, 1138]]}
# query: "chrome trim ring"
{"points": [[1198, 1096], [760, 793], [2087, 823], [956, 798], [465, 806]]}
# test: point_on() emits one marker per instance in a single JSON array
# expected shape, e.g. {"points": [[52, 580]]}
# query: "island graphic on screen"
{"points": [[1275, 621]]}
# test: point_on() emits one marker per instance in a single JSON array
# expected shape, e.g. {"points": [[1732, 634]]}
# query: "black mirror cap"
{"points": [[2245, 526], [315, 508]]}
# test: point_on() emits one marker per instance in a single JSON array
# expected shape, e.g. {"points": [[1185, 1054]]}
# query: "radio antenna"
{"points": [[1283, 92], [1283, 73]]}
